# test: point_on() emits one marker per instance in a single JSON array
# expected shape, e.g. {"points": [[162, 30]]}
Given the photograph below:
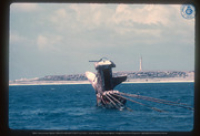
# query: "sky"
{"points": [[57, 39]]}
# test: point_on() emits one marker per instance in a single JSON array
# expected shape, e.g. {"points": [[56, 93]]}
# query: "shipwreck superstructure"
{"points": [[103, 83]]}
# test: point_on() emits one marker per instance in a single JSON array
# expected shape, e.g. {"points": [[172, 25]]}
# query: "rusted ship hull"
{"points": [[110, 99]]}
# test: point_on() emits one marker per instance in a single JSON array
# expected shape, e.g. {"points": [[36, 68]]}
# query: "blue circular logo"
{"points": [[187, 11]]}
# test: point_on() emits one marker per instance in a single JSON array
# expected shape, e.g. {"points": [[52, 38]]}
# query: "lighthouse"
{"points": [[141, 63]]}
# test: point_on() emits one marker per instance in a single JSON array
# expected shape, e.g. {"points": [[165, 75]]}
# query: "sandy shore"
{"points": [[50, 83], [87, 82]]}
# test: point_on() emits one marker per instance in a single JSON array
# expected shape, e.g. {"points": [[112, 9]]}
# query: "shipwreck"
{"points": [[104, 83]]}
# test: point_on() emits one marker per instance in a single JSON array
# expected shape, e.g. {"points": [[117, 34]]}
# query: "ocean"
{"points": [[73, 107]]}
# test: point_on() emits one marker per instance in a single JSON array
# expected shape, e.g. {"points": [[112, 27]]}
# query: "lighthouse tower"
{"points": [[141, 63]]}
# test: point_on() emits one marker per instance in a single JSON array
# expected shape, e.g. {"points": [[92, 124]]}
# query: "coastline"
{"points": [[87, 82], [51, 83], [132, 77]]}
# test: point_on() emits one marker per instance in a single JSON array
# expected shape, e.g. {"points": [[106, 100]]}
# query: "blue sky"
{"points": [[56, 39]]}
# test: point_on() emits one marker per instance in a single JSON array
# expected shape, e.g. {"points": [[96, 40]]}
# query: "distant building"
{"points": [[141, 63]]}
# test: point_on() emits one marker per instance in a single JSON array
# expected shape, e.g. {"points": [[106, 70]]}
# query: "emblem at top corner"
{"points": [[188, 11]]}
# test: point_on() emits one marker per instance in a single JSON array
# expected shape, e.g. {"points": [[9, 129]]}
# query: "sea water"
{"points": [[73, 107]]}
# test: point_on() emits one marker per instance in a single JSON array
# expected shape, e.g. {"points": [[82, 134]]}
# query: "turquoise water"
{"points": [[73, 107]]}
